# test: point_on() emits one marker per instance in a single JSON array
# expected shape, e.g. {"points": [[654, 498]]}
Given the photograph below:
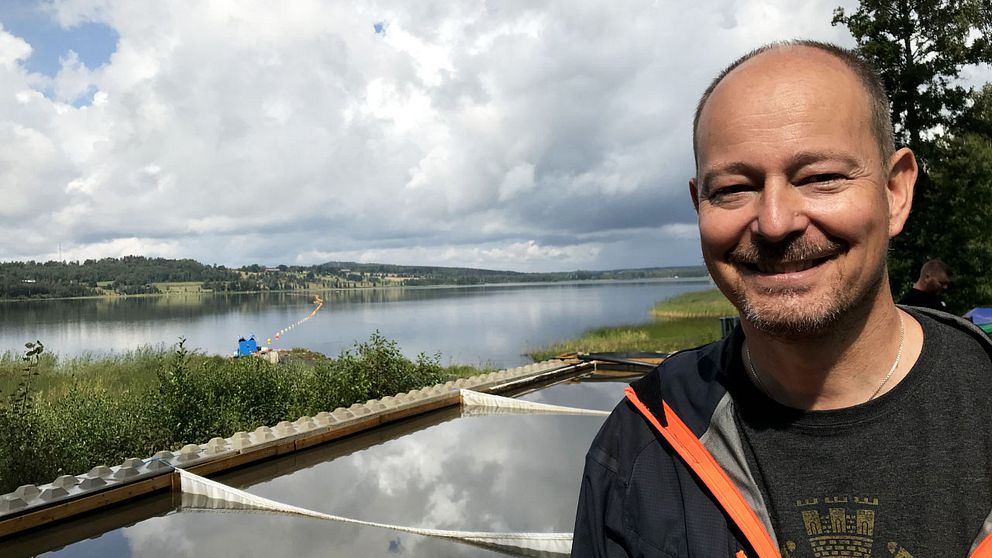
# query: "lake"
{"points": [[476, 325]]}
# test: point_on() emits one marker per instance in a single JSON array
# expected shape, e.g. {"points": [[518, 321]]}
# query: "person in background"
{"points": [[935, 278]]}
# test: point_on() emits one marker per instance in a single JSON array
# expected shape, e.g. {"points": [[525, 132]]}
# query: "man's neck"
{"points": [[842, 367]]}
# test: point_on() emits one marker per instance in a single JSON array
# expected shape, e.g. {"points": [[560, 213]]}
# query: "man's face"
{"points": [[937, 282], [794, 209]]}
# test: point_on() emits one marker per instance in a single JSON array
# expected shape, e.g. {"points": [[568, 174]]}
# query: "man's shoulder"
{"points": [[952, 331], [685, 372], [621, 439], [688, 383], [913, 294], [691, 382], [922, 299]]}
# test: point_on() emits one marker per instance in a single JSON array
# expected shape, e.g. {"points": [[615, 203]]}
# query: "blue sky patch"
{"points": [[85, 98], [93, 42]]}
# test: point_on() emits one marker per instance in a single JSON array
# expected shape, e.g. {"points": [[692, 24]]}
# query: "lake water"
{"points": [[467, 325], [491, 473]]}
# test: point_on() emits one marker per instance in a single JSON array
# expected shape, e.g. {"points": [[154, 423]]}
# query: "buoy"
{"points": [[319, 304]]}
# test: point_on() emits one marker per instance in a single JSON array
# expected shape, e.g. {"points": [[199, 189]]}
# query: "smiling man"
{"points": [[832, 422]]}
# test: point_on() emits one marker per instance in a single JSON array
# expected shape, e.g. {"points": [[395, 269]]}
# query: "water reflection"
{"points": [[469, 325], [502, 473]]}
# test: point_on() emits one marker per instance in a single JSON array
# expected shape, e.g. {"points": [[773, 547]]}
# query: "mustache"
{"points": [[758, 251]]}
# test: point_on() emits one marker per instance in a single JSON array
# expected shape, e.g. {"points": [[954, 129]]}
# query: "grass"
{"points": [[700, 304], [681, 322], [65, 416], [180, 287], [663, 335], [115, 372]]}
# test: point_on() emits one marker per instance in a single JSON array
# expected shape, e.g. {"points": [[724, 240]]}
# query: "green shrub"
{"points": [[376, 368], [21, 457], [92, 425], [67, 417]]}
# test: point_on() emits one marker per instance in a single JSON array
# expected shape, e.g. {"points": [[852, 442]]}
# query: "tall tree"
{"points": [[963, 168], [920, 47]]}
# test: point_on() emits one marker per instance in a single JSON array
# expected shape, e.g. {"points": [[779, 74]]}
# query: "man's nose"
{"points": [[781, 212]]}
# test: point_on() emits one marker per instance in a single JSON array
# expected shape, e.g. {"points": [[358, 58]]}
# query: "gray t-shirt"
{"points": [[908, 474]]}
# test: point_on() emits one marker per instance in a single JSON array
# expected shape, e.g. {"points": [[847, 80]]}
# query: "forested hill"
{"points": [[127, 275], [140, 275], [430, 275]]}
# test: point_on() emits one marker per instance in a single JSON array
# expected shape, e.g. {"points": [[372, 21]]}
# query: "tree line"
{"points": [[132, 275], [127, 275]]}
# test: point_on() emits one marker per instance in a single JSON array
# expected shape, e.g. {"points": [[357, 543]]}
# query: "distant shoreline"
{"points": [[702, 279]]}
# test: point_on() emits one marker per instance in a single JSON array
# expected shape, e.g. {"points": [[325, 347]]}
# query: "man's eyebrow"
{"points": [[804, 158]]}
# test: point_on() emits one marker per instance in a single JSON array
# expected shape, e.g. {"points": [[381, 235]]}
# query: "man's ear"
{"points": [[694, 192], [899, 188]]}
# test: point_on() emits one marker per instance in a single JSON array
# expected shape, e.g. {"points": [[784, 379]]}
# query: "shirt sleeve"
{"points": [[599, 529]]}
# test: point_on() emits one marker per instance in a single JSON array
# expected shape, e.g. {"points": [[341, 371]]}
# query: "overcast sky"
{"points": [[518, 135]]}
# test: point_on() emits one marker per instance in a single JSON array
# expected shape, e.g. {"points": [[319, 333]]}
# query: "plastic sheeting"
{"points": [[479, 404], [980, 316], [202, 494]]}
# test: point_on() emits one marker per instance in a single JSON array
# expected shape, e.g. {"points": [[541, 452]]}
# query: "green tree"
{"points": [[963, 168], [920, 47]]}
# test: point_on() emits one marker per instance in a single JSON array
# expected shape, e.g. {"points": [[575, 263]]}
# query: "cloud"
{"points": [[12, 50], [504, 136]]}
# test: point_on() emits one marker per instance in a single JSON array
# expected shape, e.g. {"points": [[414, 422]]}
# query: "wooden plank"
{"points": [[83, 504]]}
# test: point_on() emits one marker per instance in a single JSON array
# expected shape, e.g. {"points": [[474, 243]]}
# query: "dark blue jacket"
{"points": [[667, 476]]}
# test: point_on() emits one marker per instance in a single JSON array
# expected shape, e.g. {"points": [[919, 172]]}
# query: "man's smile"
{"points": [[765, 267]]}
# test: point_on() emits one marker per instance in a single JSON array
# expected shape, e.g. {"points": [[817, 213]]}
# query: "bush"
{"points": [[377, 368], [20, 454], [84, 419], [92, 425]]}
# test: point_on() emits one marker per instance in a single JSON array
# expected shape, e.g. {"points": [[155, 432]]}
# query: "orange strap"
{"points": [[701, 461], [984, 548]]}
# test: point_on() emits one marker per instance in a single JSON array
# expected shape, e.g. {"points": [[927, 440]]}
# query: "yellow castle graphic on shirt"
{"points": [[840, 527]]}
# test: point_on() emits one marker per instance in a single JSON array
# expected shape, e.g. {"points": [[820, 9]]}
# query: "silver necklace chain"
{"points": [[752, 368]]}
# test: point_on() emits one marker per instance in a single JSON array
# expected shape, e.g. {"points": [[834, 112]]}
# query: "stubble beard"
{"points": [[790, 313], [787, 313]]}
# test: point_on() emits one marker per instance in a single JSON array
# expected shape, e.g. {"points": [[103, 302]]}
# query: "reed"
{"points": [[662, 335], [698, 304], [683, 321], [126, 370], [67, 416]]}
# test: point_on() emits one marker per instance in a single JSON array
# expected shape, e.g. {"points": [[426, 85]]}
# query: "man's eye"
{"points": [[822, 177], [725, 191], [729, 194]]}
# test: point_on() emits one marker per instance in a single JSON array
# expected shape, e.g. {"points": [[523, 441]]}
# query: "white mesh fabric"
{"points": [[202, 494], [478, 404]]}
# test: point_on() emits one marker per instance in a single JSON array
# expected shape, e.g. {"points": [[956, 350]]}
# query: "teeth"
{"points": [[786, 267]]}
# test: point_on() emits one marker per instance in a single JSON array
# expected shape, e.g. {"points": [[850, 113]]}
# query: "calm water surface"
{"points": [[497, 473], [471, 325]]}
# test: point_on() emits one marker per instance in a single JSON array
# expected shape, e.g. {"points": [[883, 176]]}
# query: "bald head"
{"points": [[808, 52]]}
